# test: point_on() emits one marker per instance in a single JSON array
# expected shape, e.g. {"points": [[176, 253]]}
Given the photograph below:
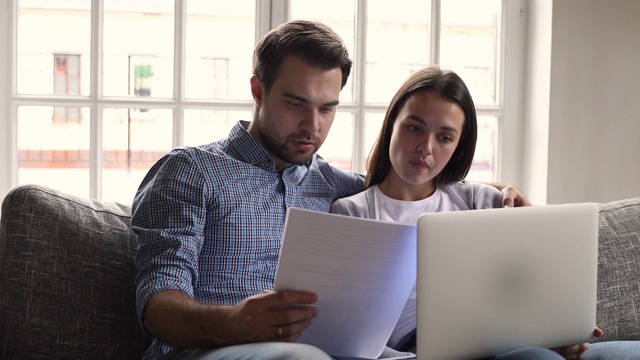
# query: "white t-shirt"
{"points": [[443, 199]]}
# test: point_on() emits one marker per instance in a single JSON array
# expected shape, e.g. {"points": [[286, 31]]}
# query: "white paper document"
{"points": [[362, 271]]}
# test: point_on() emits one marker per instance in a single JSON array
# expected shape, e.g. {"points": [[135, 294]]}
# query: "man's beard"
{"points": [[278, 146]]}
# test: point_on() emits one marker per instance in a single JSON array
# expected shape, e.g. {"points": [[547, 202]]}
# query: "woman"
{"points": [[418, 164]]}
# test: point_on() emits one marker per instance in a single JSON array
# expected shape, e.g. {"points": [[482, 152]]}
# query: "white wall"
{"points": [[593, 106]]}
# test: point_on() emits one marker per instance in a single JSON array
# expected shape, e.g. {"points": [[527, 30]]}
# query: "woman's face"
{"points": [[425, 135]]}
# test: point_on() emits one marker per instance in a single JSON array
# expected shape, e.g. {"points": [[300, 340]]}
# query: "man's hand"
{"points": [[574, 352], [271, 316], [512, 197]]}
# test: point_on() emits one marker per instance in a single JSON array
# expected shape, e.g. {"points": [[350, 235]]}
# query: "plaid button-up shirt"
{"points": [[209, 219]]}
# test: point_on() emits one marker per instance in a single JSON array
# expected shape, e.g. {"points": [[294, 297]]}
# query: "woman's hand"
{"points": [[574, 352], [513, 197]]}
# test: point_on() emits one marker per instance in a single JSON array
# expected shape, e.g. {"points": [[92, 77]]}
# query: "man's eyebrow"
{"points": [[424, 122], [304, 100]]}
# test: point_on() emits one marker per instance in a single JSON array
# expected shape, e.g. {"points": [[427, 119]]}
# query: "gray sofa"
{"points": [[66, 276]]}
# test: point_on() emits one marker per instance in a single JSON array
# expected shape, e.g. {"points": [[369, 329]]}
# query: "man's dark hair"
{"points": [[315, 42]]}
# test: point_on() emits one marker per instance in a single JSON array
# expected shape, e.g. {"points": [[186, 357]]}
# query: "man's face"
{"points": [[293, 119]]}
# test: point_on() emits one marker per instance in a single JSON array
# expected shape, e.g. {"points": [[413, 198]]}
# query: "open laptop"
{"points": [[490, 281]]}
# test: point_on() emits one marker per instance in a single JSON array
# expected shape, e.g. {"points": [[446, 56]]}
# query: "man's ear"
{"points": [[257, 90]]}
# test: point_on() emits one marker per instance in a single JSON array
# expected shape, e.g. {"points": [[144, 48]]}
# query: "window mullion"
{"points": [[360, 78], [8, 133], [279, 12], [179, 52], [263, 18], [434, 54], [95, 81]]}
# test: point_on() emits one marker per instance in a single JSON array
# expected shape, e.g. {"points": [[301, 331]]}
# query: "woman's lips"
{"points": [[420, 165]]}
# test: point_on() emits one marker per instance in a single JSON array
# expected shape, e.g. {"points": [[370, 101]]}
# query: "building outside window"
{"points": [[140, 75], [66, 81]]}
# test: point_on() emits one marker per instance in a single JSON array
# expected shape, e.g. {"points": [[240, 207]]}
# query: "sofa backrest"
{"points": [[67, 278]]}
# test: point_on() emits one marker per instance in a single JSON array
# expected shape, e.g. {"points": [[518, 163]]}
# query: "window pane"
{"points": [[220, 37], [397, 45], [53, 47], [138, 48], [205, 126], [470, 43], [483, 166], [338, 147], [133, 140], [51, 152], [340, 16]]}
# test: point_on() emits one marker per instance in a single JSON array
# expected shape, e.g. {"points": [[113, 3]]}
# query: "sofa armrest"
{"points": [[67, 278], [618, 309]]}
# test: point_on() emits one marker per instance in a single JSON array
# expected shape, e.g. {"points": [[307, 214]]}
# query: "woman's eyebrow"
{"points": [[417, 118]]}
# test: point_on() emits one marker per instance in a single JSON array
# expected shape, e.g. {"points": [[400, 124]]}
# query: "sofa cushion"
{"points": [[66, 278], [618, 306]]}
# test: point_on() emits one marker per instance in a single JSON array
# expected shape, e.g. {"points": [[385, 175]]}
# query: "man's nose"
{"points": [[311, 121]]}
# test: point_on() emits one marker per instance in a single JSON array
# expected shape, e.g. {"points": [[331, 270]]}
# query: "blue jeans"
{"points": [[611, 350], [253, 351], [614, 350]]}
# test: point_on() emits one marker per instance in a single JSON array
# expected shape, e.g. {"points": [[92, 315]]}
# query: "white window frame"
{"points": [[269, 13]]}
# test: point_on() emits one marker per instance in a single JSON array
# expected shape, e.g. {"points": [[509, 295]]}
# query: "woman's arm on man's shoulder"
{"points": [[511, 195]]}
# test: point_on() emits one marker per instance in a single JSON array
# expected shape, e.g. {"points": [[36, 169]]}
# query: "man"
{"points": [[210, 218]]}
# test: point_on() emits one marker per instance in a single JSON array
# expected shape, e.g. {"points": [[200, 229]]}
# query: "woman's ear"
{"points": [[257, 90]]}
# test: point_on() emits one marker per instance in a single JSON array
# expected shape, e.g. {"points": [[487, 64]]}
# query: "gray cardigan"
{"points": [[475, 195]]}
